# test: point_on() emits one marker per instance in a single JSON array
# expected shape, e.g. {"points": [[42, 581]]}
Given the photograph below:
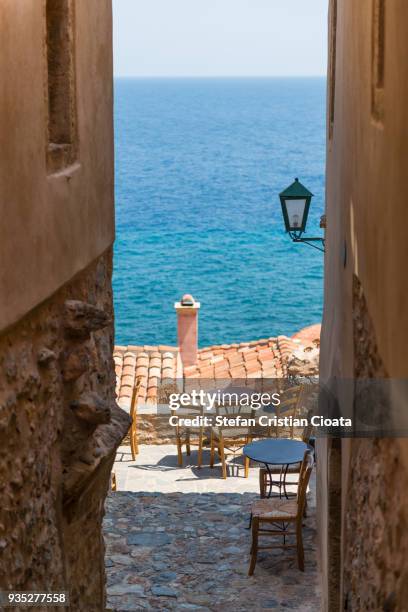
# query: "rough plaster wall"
{"points": [[376, 516], [52, 225], [59, 428]]}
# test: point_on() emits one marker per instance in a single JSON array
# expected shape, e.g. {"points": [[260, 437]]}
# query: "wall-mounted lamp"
{"points": [[295, 202]]}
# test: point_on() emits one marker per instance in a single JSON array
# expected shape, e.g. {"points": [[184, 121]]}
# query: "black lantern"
{"points": [[295, 202]]}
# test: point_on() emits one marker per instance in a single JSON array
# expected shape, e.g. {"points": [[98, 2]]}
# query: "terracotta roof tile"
{"points": [[165, 348], [155, 362], [167, 372], [204, 362], [128, 370], [125, 393], [150, 364], [252, 367], [256, 374], [156, 365], [309, 335], [235, 359], [244, 349], [154, 372], [142, 371], [243, 360], [218, 351], [269, 372], [238, 372], [217, 359], [206, 371], [251, 357]]}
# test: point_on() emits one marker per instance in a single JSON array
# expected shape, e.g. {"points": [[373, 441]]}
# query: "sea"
{"points": [[199, 166]]}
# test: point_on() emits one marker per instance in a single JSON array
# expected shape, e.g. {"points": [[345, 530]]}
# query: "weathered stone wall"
{"points": [[155, 429], [376, 530], [59, 428], [376, 517]]}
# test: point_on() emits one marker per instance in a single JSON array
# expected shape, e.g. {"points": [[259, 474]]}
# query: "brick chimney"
{"points": [[187, 329]]}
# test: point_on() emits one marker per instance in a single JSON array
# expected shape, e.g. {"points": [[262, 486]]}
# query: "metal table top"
{"points": [[276, 451]]}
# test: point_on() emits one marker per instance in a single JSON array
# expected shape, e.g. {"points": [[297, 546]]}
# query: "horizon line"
{"points": [[219, 76]]}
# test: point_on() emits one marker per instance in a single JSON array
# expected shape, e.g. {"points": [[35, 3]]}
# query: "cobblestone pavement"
{"points": [[181, 550]]}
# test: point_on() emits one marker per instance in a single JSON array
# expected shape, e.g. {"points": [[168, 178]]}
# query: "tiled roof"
{"points": [[155, 365], [257, 359], [309, 335], [160, 366]]}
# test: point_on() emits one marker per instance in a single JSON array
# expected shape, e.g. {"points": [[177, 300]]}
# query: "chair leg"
{"points": [[188, 449], [222, 455], [247, 459], [299, 546], [262, 483], [136, 438], [254, 546], [133, 446], [305, 509], [179, 452], [246, 467], [212, 451], [200, 448]]}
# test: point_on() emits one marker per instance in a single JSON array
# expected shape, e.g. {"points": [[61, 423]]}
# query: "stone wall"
{"points": [[155, 429], [376, 530], [59, 428], [376, 523]]}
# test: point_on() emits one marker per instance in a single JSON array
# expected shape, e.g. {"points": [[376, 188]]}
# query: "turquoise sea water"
{"points": [[199, 165]]}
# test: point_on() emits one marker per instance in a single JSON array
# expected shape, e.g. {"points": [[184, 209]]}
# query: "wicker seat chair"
{"points": [[189, 436], [282, 518], [232, 438]]}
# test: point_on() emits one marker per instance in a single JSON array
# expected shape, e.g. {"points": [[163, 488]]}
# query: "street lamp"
{"points": [[295, 202]]}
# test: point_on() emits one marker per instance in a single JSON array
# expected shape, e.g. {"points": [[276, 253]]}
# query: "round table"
{"points": [[282, 452]]}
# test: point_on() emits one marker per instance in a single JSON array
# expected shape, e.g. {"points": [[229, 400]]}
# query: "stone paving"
{"points": [[176, 539]]}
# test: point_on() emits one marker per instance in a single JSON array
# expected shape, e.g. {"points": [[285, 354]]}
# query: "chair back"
{"points": [[135, 397], [304, 477], [289, 407], [233, 404], [308, 430], [235, 410], [191, 411]]}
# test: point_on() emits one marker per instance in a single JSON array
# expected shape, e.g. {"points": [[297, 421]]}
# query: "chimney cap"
{"points": [[187, 300], [187, 303]]}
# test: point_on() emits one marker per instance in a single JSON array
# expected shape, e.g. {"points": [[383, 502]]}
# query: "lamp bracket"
{"points": [[296, 237]]}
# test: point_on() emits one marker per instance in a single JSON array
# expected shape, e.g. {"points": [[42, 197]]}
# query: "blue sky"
{"points": [[220, 37]]}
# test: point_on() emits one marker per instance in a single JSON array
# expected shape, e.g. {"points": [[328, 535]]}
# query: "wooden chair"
{"points": [[291, 405], [185, 435], [291, 399], [292, 469], [134, 446], [284, 516], [231, 438]]}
